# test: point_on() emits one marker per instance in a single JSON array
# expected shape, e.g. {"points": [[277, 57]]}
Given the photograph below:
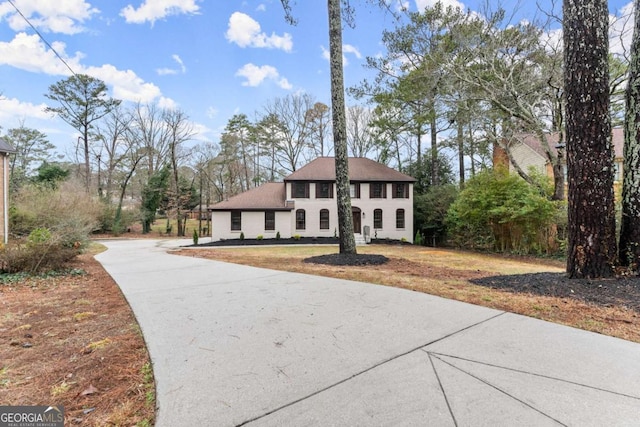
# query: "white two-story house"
{"points": [[305, 204]]}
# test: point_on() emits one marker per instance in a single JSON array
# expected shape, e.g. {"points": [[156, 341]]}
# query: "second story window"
{"points": [[324, 190], [377, 190], [300, 190], [400, 190], [354, 190]]}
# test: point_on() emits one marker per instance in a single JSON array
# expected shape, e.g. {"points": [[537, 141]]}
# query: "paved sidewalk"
{"points": [[234, 345]]}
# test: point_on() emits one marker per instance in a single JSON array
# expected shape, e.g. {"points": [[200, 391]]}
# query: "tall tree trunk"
{"points": [[460, 138], [435, 169], [592, 240], [472, 150], [87, 162], [345, 216], [630, 227]]}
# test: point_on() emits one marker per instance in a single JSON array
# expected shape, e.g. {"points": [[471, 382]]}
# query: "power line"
{"points": [[42, 38]]}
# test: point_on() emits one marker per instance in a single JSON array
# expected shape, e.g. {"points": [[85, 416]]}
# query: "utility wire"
{"points": [[42, 38]]}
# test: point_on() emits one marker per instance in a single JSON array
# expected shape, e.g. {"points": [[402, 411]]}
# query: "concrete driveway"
{"points": [[234, 345]]}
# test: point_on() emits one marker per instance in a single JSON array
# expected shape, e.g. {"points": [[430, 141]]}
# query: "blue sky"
{"points": [[212, 59]]}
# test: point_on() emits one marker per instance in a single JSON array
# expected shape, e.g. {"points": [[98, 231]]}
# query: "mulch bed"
{"points": [[621, 291], [348, 259]]}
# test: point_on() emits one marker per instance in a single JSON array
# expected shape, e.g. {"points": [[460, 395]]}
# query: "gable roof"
{"points": [[269, 196], [617, 140], [5, 147], [360, 169]]}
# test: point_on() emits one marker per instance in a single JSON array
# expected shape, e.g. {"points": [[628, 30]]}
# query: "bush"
{"points": [[242, 235], [259, 237], [40, 251], [418, 239], [500, 211], [278, 235], [110, 222], [430, 212], [68, 213], [195, 236], [297, 237]]}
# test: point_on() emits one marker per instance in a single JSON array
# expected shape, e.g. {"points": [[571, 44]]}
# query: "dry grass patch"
{"points": [[448, 274]]}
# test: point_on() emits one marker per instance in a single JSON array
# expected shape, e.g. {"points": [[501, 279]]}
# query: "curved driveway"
{"points": [[235, 345]]}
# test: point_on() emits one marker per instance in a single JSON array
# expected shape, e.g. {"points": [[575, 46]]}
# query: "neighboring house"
{"points": [[527, 151], [305, 204], [5, 150]]}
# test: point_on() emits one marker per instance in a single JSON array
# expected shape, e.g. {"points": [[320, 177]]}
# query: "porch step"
{"points": [[360, 241]]}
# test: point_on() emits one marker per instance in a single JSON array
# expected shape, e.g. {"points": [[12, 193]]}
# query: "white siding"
{"points": [[389, 206], [252, 225], [253, 222]]}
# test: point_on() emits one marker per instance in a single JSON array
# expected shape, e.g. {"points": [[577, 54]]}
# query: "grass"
{"points": [[445, 273], [160, 227]]}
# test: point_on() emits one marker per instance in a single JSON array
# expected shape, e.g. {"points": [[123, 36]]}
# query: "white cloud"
{"points": [[257, 75], [27, 52], [53, 16], [167, 103], [16, 108], [261, 8], [176, 58], [166, 71], [152, 10], [173, 71], [126, 84], [246, 32], [422, 4], [346, 48]]}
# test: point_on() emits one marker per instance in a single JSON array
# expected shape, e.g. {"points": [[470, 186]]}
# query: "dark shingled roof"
{"points": [[5, 147], [360, 169], [270, 196]]}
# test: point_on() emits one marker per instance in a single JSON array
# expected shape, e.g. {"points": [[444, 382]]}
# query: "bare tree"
{"points": [[114, 150], [360, 138], [179, 130], [295, 129], [150, 131], [319, 120]]}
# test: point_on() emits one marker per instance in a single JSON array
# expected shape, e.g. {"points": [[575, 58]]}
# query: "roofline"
{"points": [[282, 209], [353, 180]]}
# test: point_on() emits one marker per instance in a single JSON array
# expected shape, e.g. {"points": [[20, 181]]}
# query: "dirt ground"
{"points": [[73, 341]]}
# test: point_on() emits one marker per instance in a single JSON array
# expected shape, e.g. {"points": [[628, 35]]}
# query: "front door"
{"points": [[357, 220]]}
